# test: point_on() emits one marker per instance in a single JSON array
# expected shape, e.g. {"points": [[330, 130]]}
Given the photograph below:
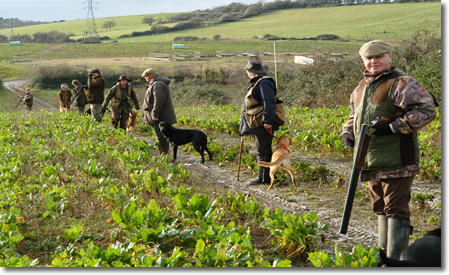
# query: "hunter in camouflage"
{"points": [[392, 160]]}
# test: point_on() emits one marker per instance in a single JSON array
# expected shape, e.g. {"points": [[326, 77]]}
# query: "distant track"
{"points": [[14, 87]]}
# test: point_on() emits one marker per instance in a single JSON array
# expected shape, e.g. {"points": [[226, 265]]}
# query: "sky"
{"points": [[56, 10]]}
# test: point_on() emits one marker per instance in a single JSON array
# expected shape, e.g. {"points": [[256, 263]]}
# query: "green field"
{"points": [[391, 22]]}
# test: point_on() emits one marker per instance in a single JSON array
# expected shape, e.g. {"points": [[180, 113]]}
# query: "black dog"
{"points": [[180, 137], [424, 252]]}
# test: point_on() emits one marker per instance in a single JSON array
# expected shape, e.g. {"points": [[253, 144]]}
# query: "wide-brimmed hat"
{"points": [[255, 66], [123, 77], [149, 72], [95, 71], [374, 48]]}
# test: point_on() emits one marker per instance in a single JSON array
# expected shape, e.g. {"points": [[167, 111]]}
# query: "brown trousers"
{"points": [[121, 118], [391, 197]]}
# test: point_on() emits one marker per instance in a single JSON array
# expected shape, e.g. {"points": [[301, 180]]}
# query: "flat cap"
{"points": [[373, 48], [149, 72], [95, 71]]}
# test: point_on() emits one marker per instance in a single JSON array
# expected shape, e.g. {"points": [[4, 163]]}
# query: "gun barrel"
{"points": [[352, 184], [19, 101]]}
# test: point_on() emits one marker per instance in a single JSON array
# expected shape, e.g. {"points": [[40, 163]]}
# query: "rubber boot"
{"points": [[382, 229], [399, 231]]}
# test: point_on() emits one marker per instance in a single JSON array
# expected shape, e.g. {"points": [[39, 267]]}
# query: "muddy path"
{"points": [[15, 87]]}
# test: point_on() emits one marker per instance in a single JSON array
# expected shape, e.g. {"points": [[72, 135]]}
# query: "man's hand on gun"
{"points": [[382, 129]]}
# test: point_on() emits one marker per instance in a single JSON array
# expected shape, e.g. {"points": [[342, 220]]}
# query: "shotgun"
{"points": [[19, 102], [77, 93], [362, 149]]}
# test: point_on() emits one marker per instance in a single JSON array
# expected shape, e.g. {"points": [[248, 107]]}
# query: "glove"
{"points": [[349, 139], [382, 129]]}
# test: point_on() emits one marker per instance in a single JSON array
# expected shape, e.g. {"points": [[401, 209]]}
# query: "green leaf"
{"points": [[200, 245], [72, 234], [117, 218]]}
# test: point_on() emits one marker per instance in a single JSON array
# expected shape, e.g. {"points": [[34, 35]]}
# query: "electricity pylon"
{"points": [[93, 33]]}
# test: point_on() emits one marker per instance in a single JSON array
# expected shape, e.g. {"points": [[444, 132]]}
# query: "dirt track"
{"points": [[14, 87]]}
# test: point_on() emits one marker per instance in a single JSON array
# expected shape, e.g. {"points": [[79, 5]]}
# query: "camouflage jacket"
{"points": [[419, 110]]}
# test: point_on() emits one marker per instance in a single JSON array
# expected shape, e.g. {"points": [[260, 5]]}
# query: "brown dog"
{"points": [[131, 127], [280, 158]]}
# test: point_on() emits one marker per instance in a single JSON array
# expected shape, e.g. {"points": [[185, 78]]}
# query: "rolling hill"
{"points": [[391, 22]]}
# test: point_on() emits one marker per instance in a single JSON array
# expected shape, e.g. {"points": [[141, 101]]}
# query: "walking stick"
{"points": [[240, 157]]}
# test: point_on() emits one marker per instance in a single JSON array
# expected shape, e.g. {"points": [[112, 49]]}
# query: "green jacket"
{"points": [[385, 152], [122, 94], [81, 98], [28, 100], [95, 93]]}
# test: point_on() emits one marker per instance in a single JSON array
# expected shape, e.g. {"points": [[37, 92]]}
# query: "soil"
{"points": [[326, 198]]}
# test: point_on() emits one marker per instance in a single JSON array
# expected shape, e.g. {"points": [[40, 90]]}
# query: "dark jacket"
{"points": [[158, 102], [95, 93], [265, 94]]}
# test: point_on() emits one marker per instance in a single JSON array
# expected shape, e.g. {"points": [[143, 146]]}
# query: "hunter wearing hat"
{"points": [[95, 93], [28, 100], [65, 96], [392, 160], [158, 105], [260, 94], [123, 99], [81, 99]]}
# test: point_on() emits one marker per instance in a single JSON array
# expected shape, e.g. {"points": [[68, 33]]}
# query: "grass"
{"points": [[392, 22]]}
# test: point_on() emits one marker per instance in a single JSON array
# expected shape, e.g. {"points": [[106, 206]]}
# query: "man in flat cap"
{"points": [[124, 99], [392, 160], [95, 93], [258, 117], [158, 105]]}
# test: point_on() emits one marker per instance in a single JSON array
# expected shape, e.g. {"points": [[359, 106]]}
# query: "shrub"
{"points": [[192, 93], [326, 83], [420, 57]]}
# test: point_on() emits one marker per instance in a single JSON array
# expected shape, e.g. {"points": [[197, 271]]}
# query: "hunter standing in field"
{"points": [[158, 105], [28, 100], [95, 93], [81, 99], [124, 99], [65, 96], [392, 160], [261, 98]]}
